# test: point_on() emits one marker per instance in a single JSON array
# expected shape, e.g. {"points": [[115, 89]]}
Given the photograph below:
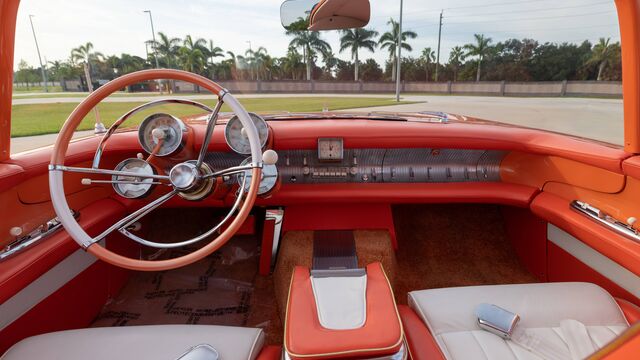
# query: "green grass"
{"points": [[37, 119], [35, 89], [37, 95]]}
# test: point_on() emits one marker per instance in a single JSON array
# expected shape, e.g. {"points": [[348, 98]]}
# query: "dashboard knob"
{"points": [[270, 157], [15, 231], [158, 134], [632, 221]]}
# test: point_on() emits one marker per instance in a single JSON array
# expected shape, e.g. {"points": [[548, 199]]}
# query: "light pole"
{"points": [[153, 36], [439, 38], [399, 45], [155, 48], [251, 53], [42, 69]]}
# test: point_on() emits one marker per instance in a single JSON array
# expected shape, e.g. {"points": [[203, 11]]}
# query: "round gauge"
{"points": [[268, 181], [161, 127], [129, 186], [236, 136]]}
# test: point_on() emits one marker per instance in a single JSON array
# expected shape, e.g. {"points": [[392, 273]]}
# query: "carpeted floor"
{"points": [[453, 245], [439, 246], [222, 289]]}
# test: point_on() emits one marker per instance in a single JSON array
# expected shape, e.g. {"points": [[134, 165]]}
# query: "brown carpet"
{"points": [[222, 289], [453, 245]]}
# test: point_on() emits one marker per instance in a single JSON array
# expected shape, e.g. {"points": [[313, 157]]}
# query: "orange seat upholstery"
{"points": [[630, 310], [420, 341], [305, 337]]}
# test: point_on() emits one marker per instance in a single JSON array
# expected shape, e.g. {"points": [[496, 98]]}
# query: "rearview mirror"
{"points": [[315, 15]]}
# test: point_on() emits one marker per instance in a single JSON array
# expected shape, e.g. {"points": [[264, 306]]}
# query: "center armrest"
{"points": [[379, 334]]}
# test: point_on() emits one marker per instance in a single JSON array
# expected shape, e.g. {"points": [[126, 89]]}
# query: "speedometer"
{"points": [[163, 128], [236, 135]]}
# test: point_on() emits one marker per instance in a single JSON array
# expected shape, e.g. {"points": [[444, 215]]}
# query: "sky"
{"points": [[121, 26]]}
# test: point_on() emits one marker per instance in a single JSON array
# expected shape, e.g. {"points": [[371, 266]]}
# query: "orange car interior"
{"points": [[515, 219]]}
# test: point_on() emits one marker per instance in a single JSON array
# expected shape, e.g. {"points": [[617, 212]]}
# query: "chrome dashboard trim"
{"points": [[410, 165]]}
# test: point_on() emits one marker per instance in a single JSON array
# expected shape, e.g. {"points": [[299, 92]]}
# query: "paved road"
{"points": [[600, 119], [24, 100]]}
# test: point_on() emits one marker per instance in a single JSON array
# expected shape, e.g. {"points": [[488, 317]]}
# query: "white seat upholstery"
{"points": [[450, 316], [155, 342]]}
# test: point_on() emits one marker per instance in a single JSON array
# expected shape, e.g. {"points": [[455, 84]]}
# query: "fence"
{"points": [[611, 89]]}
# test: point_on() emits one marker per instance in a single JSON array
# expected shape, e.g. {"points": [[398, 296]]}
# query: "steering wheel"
{"points": [[182, 177]]}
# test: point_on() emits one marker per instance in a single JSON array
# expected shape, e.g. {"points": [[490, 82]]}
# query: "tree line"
{"points": [[309, 57]]}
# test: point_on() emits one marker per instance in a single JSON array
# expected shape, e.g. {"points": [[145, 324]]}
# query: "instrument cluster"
{"points": [[236, 136], [162, 134]]}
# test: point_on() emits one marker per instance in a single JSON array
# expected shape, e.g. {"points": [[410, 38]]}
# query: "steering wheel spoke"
{"points": [[186, 179], [107, 172], [230, 171], [135, 216], [211, 124], [236, 205]]}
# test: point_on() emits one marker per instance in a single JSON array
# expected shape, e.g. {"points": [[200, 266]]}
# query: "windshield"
{"points": [[536, 63]]}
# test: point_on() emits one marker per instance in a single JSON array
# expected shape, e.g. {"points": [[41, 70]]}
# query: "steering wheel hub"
{"points": [[184, 176]]}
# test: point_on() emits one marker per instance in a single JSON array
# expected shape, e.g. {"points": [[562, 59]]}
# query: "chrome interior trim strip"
{"points": [[605, 219], [40, 233], [594, 259], [277, 216], [48, 283]]}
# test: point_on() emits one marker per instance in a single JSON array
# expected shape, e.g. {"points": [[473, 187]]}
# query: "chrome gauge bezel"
{"points": [[261, 126], [175, 132], [142, 189], [268, 181]]}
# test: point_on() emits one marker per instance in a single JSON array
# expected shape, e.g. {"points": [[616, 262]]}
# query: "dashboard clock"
{"points": [[330, 149]]}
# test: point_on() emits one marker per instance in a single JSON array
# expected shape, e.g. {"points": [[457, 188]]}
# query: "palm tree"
{"points": [[292, 63], [61, 71], [330, 61], [389, 40], [213, 52], [602, 54], [480, 49], [130, 63], [191, 55], [257, 60], [310, 42], [456, 57], [428, 56], [354, 39], [167, 48], [83, 55]]}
